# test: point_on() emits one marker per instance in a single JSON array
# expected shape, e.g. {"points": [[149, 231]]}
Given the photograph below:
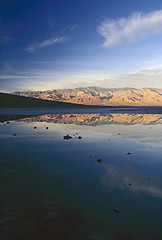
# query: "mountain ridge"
{"points": [[100, 96]]}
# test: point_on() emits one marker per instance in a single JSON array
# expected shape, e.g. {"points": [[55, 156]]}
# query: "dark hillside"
{"points": [[13, 101]]}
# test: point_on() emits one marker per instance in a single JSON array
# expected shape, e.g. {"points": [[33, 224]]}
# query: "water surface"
{"points": [[54, 188]]}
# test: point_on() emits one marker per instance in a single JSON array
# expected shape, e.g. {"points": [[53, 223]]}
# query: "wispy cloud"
{"points": [[129, 30], [53, 23], [146, 77], [45, 43], [46, 79], [5, 39], [71, 28], [49, 79]]}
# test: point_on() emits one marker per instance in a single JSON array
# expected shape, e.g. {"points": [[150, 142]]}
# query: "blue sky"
{"points": [[51, 44]]}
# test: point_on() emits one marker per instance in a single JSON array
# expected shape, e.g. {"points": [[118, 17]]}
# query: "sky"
{"points": [[53, 44]]}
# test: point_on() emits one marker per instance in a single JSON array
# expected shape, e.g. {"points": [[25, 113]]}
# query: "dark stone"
{"points": [[8, 122], [46, 127], [116, 210], [67, 137], [128, 153], [14, 134], [35, 127], [99, 160], [79, 137]]}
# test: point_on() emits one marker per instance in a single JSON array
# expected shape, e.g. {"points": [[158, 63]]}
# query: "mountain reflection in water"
{"points": [[98, 119]]}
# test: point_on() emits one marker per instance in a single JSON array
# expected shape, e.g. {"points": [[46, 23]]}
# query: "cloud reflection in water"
{"points": [[120, 178]]}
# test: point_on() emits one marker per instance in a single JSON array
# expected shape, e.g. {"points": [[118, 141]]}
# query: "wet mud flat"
{"points": [[104, 185]]}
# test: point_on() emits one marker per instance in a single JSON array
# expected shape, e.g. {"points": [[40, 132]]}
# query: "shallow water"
{"points": [[54, 188]]}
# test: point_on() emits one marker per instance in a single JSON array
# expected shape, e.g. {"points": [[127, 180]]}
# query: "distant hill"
{"points": [[13, 101], [101, 96]]}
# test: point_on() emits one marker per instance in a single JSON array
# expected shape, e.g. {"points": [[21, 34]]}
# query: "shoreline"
{"points": [[16, 113], [96, 109]]}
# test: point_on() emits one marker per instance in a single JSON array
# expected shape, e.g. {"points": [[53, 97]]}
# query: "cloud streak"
{"points": [[52, 79], [45, 43], [46, 79], [4, 40], [146, 77], [136, 27]]}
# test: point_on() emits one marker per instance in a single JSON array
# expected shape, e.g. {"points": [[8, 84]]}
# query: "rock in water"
{"points": [[116, 210], [67, 137], [99, 160]]}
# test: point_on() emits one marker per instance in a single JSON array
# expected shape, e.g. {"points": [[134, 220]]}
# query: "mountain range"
{"points": [[101, 96]]}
